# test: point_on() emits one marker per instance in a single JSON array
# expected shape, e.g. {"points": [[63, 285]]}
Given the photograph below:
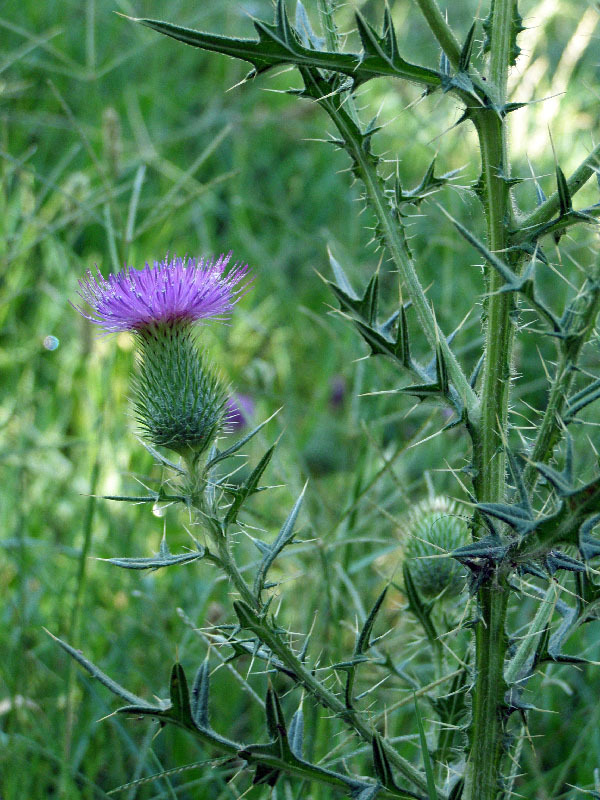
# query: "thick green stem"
{"points": [[489, 457], [487, 723], [441, 30], [485, 757]]}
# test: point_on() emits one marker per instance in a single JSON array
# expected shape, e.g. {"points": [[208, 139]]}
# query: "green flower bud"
{"points": [[434, 528], [179, 401]]}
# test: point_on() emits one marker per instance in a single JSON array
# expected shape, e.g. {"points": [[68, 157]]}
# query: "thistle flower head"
{"points": [[179, 290], [179, 399]]}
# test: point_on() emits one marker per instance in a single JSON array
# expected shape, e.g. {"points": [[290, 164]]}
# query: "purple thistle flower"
{"points": [[240, 408], [179, 290]]}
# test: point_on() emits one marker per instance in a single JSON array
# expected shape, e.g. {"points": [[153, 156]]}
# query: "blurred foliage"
{"points": [[118, 146]]}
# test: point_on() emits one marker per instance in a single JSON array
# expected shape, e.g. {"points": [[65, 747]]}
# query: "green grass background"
{"points": [[119, 146]]}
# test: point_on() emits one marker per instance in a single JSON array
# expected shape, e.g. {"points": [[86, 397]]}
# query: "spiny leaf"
{"points": [[421, 610], [304, 29], [156, 562], [246, 616], [588, 546], [490, 548], [221, 455], [369, 303], [441, 371], [200, 695], [381, 764], [467, 50], [431, 789], [284, 538], [296, 733], [516, 28], [514, 515], [97, 673], [341, 278], [517, 476], [402, 347], [523, 660], [180, 697], [580, 400], [273, 713], [278, 44], [363, 641], [540, 196], [564, 195], [249, 487], [389, 34], [556, 560]]}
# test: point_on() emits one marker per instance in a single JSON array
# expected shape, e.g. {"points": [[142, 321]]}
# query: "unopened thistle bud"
{"points": [[433, 529], [179, 400]]}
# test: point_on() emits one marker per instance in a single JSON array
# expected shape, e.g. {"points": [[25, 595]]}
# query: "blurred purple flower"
{"points": [[338, 391], [240, 408], [179, 290]]}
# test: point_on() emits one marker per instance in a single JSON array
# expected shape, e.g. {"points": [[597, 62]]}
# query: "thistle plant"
{"points": [[531, 502]]}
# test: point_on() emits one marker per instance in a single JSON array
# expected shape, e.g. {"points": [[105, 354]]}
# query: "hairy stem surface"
{"points": [[487, 724]]}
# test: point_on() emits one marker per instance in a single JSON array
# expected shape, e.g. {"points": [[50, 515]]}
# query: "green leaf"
{"points": [[304, 29], [514, 515], [523, 661], [296, 733], [200, 695], [580, 400], [180, 709], [221, 455], [369, 792], [273, 711], [416, 606], [381, 764], [441, 371], [431, 789], [283, 539], [564, 195], [278, 44], [246, 616], [370, 300], [156, 562], [100, 676], [490, 548], [363, 641], [347, 292], [467, 50], [249, 487], [389, 35]]}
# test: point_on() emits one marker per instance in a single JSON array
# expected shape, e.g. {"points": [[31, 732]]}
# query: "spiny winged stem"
{"points": [[586, 305], [217, 530], [487, 724]]}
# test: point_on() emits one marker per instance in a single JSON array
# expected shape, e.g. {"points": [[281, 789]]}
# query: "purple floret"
{"points": [[240, 408], [179, 290]]}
